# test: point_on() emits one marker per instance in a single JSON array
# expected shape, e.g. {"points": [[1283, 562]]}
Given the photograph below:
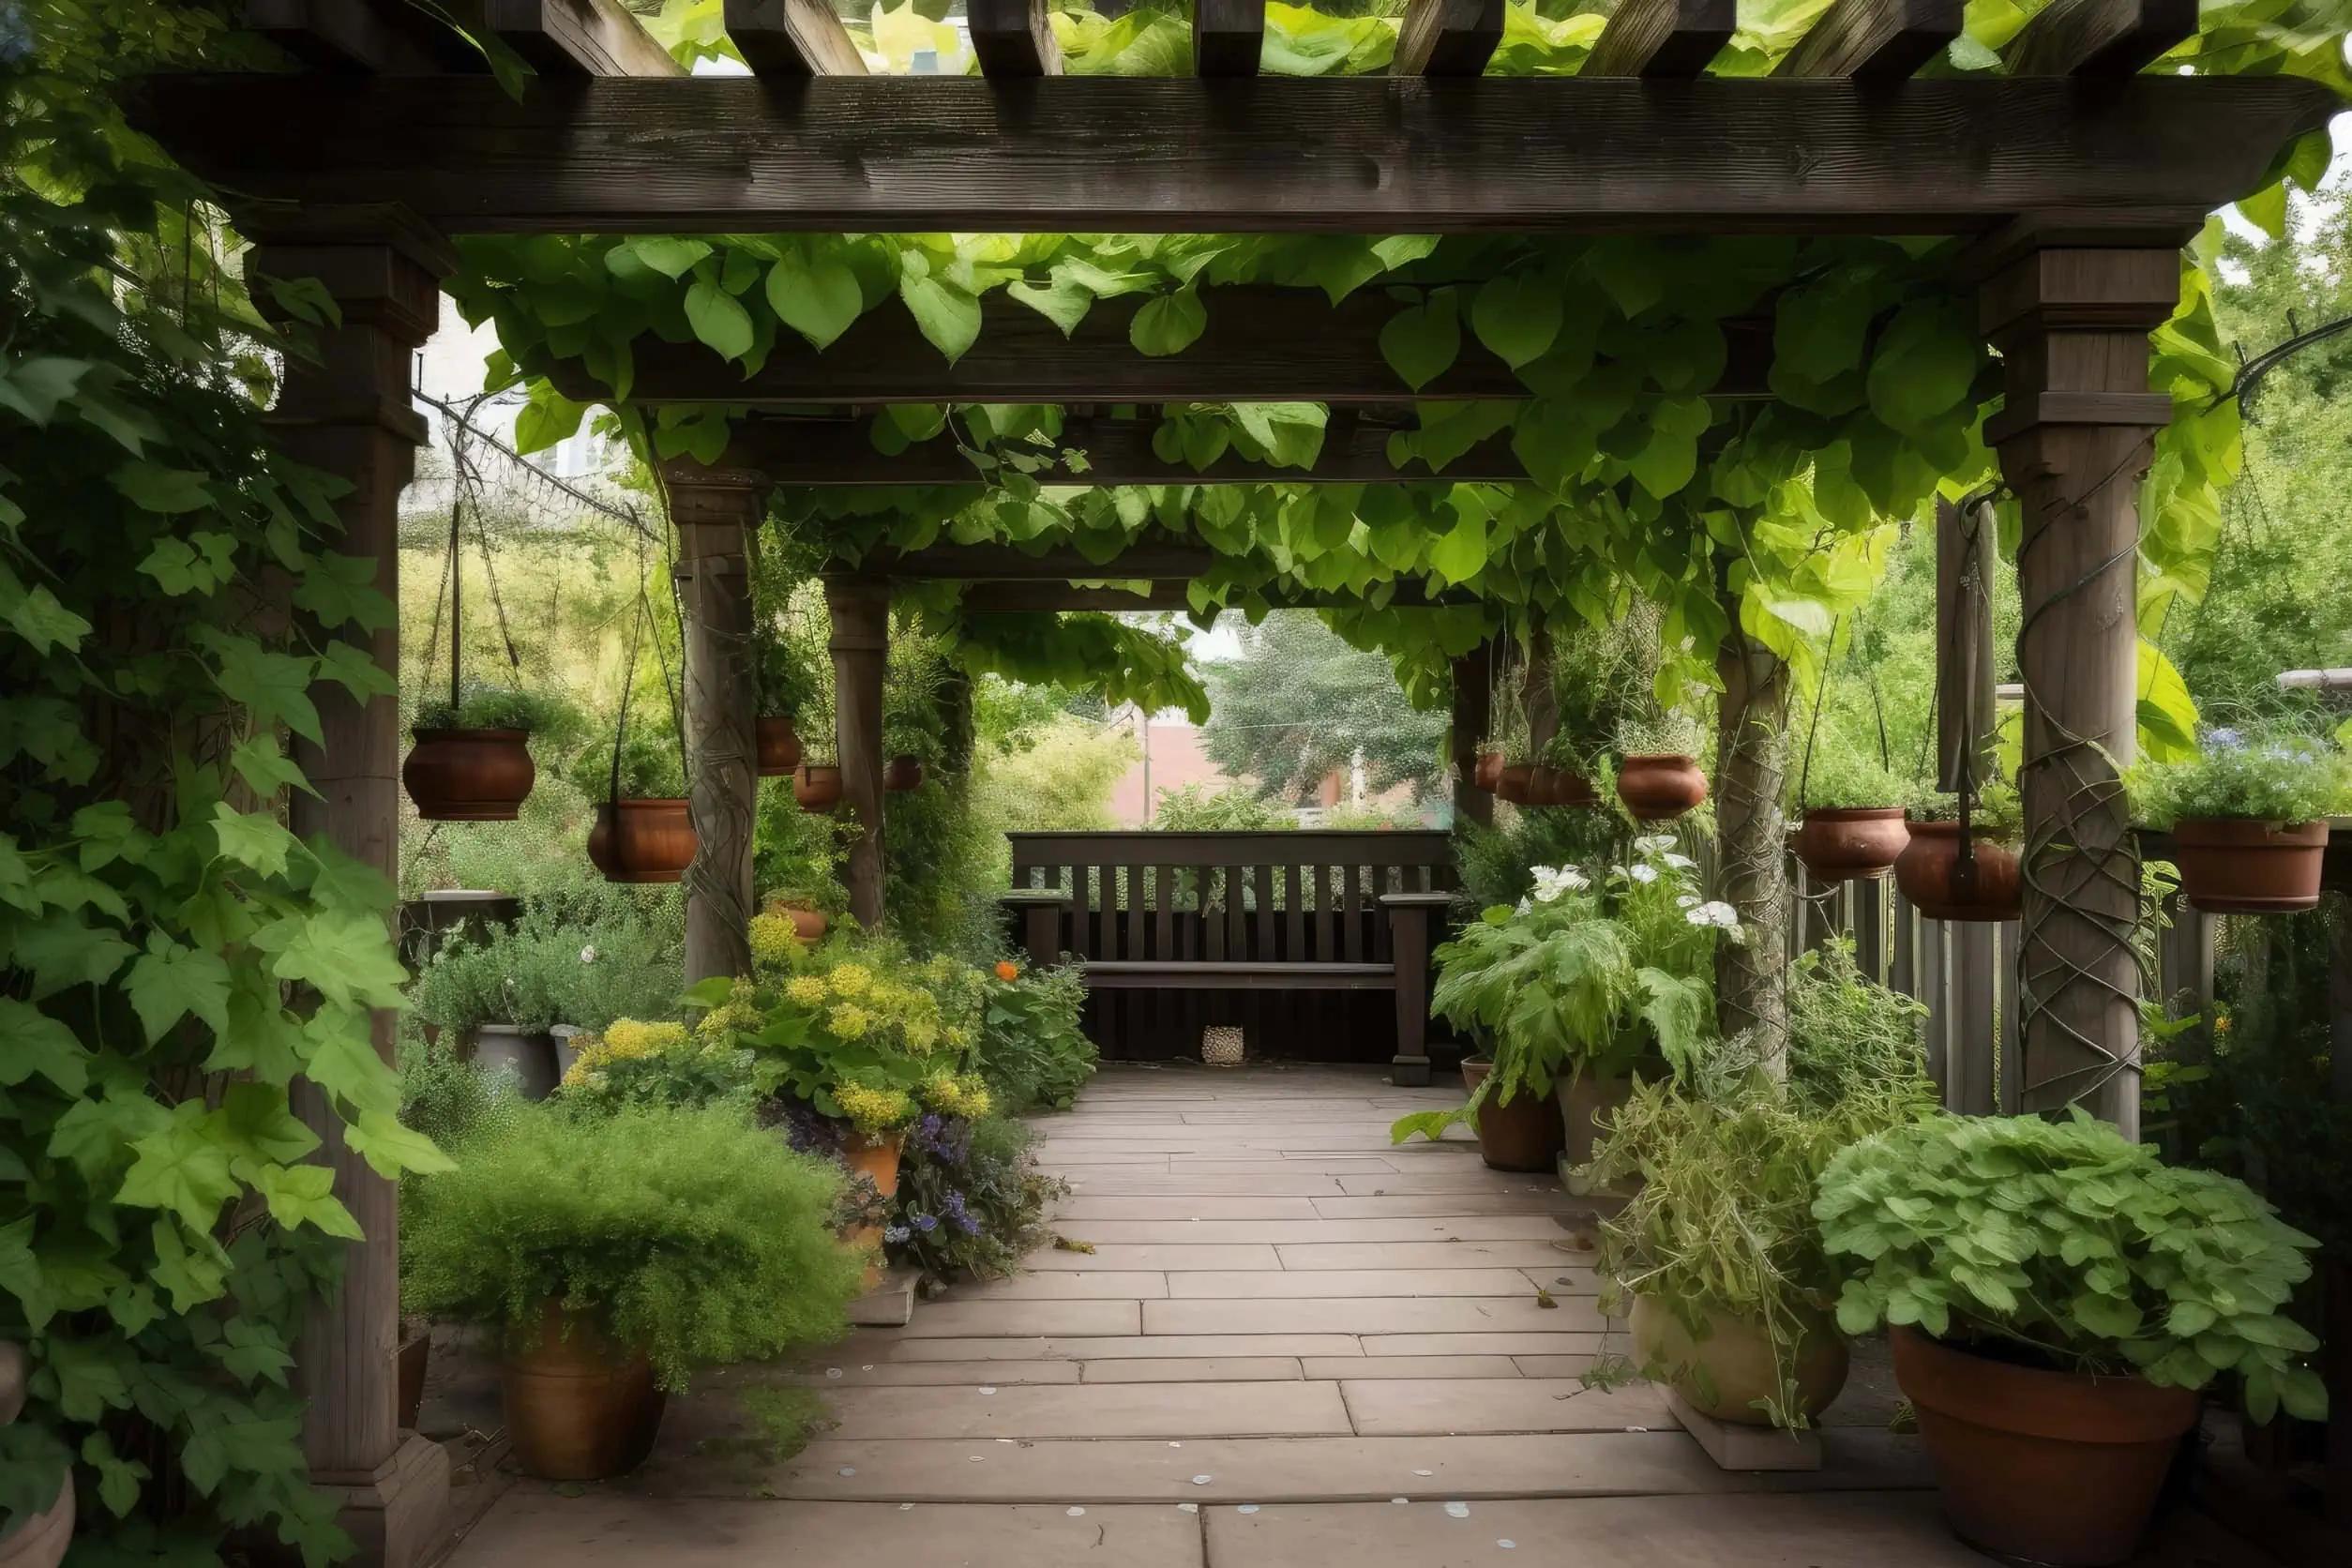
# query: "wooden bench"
{"points": [[1260, 912]]}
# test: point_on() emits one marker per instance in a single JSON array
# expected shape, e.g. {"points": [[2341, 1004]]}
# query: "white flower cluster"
{"points": [[1714, 912], [1553, 881]]}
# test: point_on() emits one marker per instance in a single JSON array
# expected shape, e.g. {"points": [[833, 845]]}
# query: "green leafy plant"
{"points": [[1033, 1052], [493, 707], [2069, 1246], [631, 1063], [1995, 810], [690, 1233], [1840, 773], [1669, 733], [2264, 778], [652, 768]]}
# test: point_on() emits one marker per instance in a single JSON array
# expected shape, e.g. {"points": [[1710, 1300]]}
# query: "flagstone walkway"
{"points": [[1291, 1344]]}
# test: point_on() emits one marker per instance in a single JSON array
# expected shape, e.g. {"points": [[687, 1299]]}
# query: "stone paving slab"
{"points": [[1377, 1316], [1563, 1342], [1443, 1228], [1200, 1369], [1090, 1205], [1155, 1259], [1392, 1205], [1124, 1347], [1409, 1366], [1449, 1405], [1067, 1284], [1822, 1530], [943, 1318], [1351, 1283], [532, 1527], [1539, 1257], [1096, 1409]]}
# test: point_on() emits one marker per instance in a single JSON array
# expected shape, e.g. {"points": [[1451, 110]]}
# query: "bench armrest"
{"points": [[1034, 898], [1036, 914], [1417, 900]]}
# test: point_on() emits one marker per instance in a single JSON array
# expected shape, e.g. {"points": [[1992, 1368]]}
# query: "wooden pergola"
{"points": [[2074, 179]]}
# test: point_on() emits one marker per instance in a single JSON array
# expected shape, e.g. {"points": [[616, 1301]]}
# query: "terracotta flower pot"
{"points": [[2231, 865], [641, 840], [776, 746], [1940, 886], [1838, 844], [1658, 788], [876, 1156], [809, 924], [578, 1407], [816, 786], [1515, 783], [1726, 1372], [36, 1540], [1488, 769], [1587, 1101], [415, 1360], [1524, 1135], [529, 1054], [469, 776], [904, 774], [2053, 1467], [1561, 787]]}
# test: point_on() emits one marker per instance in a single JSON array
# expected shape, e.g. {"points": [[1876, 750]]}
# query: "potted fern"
{"points": [[2248, 816]]}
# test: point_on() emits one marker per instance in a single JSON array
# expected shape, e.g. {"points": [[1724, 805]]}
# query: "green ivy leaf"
{"points": [[33, 387], [947, 316], [1517, 316], [1064, 304], [1422, 340], [65, 951], [275, 686], [718, 318], [669, 256], [35, 615], [1925, 364], [251, 839], [345, 957], [96, 1134], [266, 769], [1168, 325], [305, 1195], [158, 489], [256, 1123], [817, 299], [343, 1060], [356, 670], [391, 1147], [548, 418], [118, 1477], [341, 590], [180, 1169], [89, 1374], [170, 982], [38, 1043], [246, 1445]]}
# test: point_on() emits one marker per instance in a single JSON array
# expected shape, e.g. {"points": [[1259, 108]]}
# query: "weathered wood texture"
{"points": [[1261, 344], [585, 37], [791, 38], [1030, 598], [714, 510], [1473, 704], [338, 36], [1447, 37], [1965, 715], [860, 609], [1013, 37], [1872, 40], [2072, 325], [1228, 36], [347, 413], [2098, 38], [1751, 841], [1661, 38], [1182, 155], [1147, 560], [1116, 452]]}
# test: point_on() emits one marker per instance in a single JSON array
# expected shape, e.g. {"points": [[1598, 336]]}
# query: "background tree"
{"points": [[1300, 701]]}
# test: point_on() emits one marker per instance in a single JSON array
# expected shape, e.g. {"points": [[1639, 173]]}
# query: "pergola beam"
{"points": [[1261, 344], [791, 38], [1872, 40], [340, 38], [1013, 37], [578, 37], [1228, 36], [1026, 599], [1147, 562], [1089, 154], [1447, 37], [2098, 38], [1662, 40]]}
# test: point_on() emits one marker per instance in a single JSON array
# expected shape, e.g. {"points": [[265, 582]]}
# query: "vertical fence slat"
{"points": [[1934, 989], [1262, 921], [1352, 907], [2011, 1095], [1870, 928], [1903, 963], [1293, 917], [1976, 1014], [1164, 895]]}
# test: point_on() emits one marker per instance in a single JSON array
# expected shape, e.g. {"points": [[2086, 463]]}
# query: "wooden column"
{"points": [[1411, 921], [861, 646], [1966, 717], [1473, 672], [715, 510], [1751, 839], [2075, 438], [349, 413]]}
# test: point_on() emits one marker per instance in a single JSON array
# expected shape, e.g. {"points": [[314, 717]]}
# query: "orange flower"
{"points": [[1007, 969]]}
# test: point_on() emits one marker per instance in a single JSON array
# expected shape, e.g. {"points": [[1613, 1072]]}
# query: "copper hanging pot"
{"points": [[776, 746], [1658, 787], [641, 840], [816, 786], [469, 776]]}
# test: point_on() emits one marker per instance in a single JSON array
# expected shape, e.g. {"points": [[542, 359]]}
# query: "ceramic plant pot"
{"points": [[2231, 865], [1940, 886], [1515, 783], [809, 924], [578, 1406], [876, 1157], [1839, 844], [1658, 788], [1587, 1103], [1524, 1135], [2050, 1467], [649, 840], [904, 774], [1562, 787], [37, 1540], [775, 747], [528, 1054], [1728, 1370], [469, 776], [816, 786], [1488, 769]]}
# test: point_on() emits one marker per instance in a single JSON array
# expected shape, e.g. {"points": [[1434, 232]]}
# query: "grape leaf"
{"points": [[718, 318], [169, 982], [1421, 340], [819, 300]]}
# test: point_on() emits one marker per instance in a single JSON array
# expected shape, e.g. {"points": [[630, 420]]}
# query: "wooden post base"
{"points": [[398, 1517], [1737, 1447], [1409, 1072]]}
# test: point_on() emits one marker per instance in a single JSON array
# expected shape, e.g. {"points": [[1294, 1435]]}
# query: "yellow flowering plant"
{"points": [[639, 1064]]}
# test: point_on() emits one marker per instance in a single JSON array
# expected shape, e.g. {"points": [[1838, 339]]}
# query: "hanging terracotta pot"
{"points": [[2232, 865], [469, 776], [1657, 787], [641, 840], [1561, 787], [904, 773], [816, 786], [776, 746], [1838, 844], [1515, 783], [578, 1407], [1524, 1135], [808, 922], [1489, 768], [1942, 886], [2038, 1465]]}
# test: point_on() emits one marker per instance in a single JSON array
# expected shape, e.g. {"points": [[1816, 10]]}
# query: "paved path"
{"points": [[1291, 1345]]}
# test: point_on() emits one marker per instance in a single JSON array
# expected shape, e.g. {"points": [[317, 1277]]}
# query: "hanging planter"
{"points": [[905, 773], [641, 840], [462, 775], [1515, 783], [1488, 771], [2246, 814], [2230, 865], [1658, 787], [816, 786], [1843, 843], [776, 746], [1562, 787], [1943, 884]]}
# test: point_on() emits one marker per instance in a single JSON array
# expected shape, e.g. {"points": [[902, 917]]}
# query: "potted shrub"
{"points": [[807, 908], [2055, 1296], [1950, 875], [2248, 816], [613, 1254], [492, 1000], [643, 831], [1658, 776], [472, 760], [970, 1197], [1852, 806]]}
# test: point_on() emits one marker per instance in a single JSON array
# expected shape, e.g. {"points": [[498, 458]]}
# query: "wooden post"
{"points": [[860, 608], [1751, 759], [1037, 913], [348, 413], [715, 510], [1410, 916], [2075, 438], [1472, 673], [1964, 712]]}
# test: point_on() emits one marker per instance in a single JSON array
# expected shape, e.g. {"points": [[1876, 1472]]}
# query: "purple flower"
{"points": [[926, 1223], [2223, 738], [954, 1209]]}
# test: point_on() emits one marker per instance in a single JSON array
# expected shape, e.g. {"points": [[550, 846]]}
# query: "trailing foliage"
{"points": [[2066, 1243], [692, 1235], [2276, 777]]}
